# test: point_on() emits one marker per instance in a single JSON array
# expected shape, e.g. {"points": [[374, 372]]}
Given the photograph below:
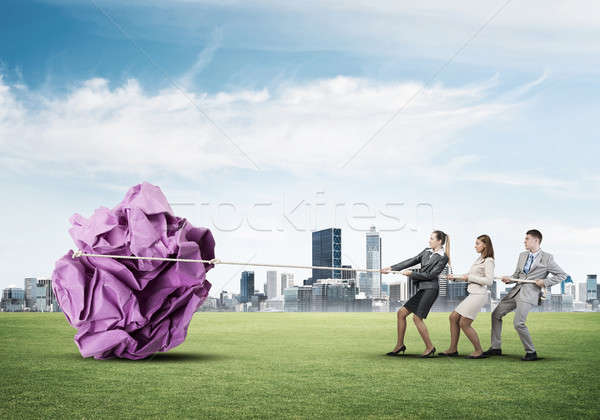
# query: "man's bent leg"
{"points": [[504, 307], [521, 312]]}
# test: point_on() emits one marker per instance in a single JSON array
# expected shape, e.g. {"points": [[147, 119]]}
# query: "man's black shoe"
{"points": [[493, 352], [530, 356]]}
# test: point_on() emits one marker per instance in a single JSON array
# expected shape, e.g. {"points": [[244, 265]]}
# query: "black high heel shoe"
{"points": [[430, 354], [481, 356], [395, 353]]}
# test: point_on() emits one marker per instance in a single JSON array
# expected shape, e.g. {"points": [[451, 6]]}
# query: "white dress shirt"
{"points": [[439, 251]]}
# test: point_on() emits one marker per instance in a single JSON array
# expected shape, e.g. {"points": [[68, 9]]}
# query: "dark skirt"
{"points": [[420, 303]]}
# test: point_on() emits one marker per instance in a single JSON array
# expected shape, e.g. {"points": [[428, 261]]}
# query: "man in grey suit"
{"points": [[533, 264]]}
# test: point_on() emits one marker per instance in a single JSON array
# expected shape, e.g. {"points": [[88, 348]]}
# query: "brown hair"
{"points": [[488, 251], [535, 233], [445, 241]]}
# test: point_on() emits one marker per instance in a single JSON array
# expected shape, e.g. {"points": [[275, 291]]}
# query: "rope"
{"points": [[80, 253], [500, 278]]}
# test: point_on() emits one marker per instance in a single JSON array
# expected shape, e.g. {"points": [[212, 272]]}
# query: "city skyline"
{"points": [[372, 232], [508, 126]]}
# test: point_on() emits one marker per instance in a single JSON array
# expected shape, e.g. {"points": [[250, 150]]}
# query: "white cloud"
{"points": [[314, 126]]}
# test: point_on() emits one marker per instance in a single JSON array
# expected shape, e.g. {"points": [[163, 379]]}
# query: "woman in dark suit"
{"points": [[433, 261]]}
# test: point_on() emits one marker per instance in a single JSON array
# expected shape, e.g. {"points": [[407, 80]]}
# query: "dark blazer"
{"points": [[432, 264]]}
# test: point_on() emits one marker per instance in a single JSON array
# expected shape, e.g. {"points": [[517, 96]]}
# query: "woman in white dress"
{"points": [[479, 278]]}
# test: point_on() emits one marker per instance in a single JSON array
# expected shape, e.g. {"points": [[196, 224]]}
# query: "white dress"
{"points": [[480, 276]]}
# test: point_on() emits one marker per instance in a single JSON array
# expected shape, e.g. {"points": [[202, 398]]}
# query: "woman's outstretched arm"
{"points": [[407, 263]]}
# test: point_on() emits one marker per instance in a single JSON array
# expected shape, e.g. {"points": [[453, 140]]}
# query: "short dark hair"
{"points": [[535, 233]]}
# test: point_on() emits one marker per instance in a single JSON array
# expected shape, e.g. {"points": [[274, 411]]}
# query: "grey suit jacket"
{"points": [[427, 276], [541, 267]]}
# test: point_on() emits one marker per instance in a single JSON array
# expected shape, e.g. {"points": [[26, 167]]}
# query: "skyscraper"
{"points": [[271, 284], [30, 284], [246, 286], [373, 254], [327, 252]]}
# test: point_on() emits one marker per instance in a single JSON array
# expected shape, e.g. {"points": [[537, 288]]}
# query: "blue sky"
{"points": [[96, 97]]}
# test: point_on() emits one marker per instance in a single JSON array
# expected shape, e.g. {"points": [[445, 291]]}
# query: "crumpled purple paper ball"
{"points": [[131, 308]]}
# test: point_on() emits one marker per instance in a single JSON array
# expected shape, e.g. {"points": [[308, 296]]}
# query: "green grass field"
{"points": [[303, 365]]}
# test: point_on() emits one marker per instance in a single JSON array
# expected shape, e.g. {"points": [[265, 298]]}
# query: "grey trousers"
{"points": [[521, 309]]}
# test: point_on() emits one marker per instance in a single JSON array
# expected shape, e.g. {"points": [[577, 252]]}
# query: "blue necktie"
{"points": [[527, 265]]}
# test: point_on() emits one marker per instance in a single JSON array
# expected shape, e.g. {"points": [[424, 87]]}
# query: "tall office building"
{"points": [[327, 252], [592, 287], [286, 280], [30, 284], [246, 286], [373, 254], [271, 289]]}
